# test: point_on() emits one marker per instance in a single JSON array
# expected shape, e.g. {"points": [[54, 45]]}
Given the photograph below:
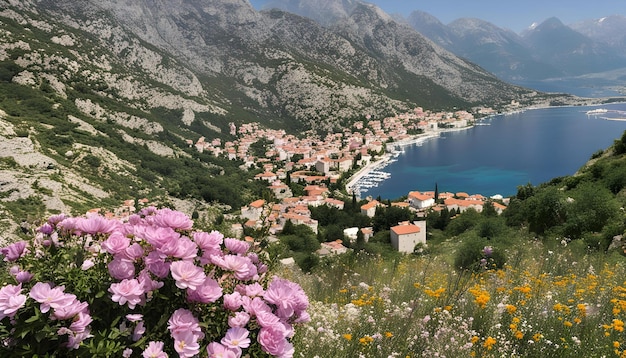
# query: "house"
{"points": [[462, 205], [323, 165], [267, 176], [369, 209], [253, 211], [333, 247], [421, 200], [405, 237], [339, 204]]}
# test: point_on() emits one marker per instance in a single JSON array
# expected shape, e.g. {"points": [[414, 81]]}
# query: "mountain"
{"points": [[432, 28], [100, 99], [546, 50], [610, 30], [573, 52], [498, 50]]}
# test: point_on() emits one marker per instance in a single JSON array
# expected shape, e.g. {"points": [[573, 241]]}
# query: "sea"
{"points": [[503, 152]]}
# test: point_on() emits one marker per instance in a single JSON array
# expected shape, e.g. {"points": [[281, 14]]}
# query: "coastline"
{"points": [[387, 156], [420, 138]]}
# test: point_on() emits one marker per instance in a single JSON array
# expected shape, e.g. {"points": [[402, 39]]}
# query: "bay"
{"points": [[503, 152]]}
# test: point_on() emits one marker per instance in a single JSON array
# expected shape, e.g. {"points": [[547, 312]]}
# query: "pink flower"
{"points": [[187, 275], [254, 290], [75, 339], [157, 264], [127, 291], [210, 291], [273, 341], [182, 322], [116, 243], [159, 236], [71, 310], [94, 224], [240, 319], [11, 300], [80, 322], [46, 229], [133, 252], [134, 317], [174, 219], [50, 297], [14, 251], [241, 266], [236, 246], [138, 331], [207, 241], [121, 268], [232, 301], [266, 318], [20, 276], [147, 282], [216, 350], [236, 338], [154, 350], [87, 264], [255, 305], [287, 296], [183, 248], [187, 345], [127, 353]]}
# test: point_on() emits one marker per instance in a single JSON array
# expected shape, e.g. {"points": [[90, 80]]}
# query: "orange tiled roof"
{"points": [[406, 229]]}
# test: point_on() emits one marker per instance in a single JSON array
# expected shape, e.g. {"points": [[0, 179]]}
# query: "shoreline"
{"points": [[420, 138], [387, 156]]}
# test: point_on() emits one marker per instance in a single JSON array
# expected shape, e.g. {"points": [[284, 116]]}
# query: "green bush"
{"points": [[475, 254]]}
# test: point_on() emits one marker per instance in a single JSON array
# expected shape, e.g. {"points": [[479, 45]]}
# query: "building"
{"points": [[369, 209], [421, 200], [405, 237]]}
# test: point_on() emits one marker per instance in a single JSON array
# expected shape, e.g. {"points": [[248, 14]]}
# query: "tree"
{"points": [[546, 209], [360, 241], [489, 210], [436, 193]]}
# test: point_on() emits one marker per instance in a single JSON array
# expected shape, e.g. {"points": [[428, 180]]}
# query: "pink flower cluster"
{"points": [[157, 247], [65, 306]]}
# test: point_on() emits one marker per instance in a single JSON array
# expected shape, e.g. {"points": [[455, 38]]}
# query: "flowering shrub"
{"points": [[148, 286]]}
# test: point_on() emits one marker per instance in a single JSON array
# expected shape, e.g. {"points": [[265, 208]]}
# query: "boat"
{"points": [[598, 111]]}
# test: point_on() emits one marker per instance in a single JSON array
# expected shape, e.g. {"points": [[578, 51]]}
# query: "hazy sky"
{"points": [[515, 15]]}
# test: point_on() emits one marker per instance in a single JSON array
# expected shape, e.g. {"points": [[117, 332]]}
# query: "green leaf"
{"points": [[32, 319]]}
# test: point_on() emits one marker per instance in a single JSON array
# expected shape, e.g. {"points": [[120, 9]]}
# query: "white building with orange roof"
{"points": [[267, 176], [419, 200], [297, 219], [339, 204], [462, 205], [405, 237], [254, 210], [332, 248], [369, 209]]}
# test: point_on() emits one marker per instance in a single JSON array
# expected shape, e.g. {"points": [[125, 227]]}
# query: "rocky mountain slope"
{"points": [[546, 50], [98, 98]]}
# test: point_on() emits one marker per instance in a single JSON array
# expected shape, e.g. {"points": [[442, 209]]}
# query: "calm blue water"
{"points": [[530, 147]]}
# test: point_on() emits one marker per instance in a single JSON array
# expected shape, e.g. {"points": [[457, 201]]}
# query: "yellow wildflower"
{"points": [[388, 334], [489, 342], [366, 340], [347, 337], [511, 309]]}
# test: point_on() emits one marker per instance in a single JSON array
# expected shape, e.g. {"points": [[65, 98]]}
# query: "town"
{"points": [[320, 164]]}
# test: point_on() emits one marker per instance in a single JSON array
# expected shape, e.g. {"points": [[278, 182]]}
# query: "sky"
{"points": [[515, 15]]}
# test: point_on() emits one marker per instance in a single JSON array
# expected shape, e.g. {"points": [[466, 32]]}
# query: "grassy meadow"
{"points": [[549, 300]]}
